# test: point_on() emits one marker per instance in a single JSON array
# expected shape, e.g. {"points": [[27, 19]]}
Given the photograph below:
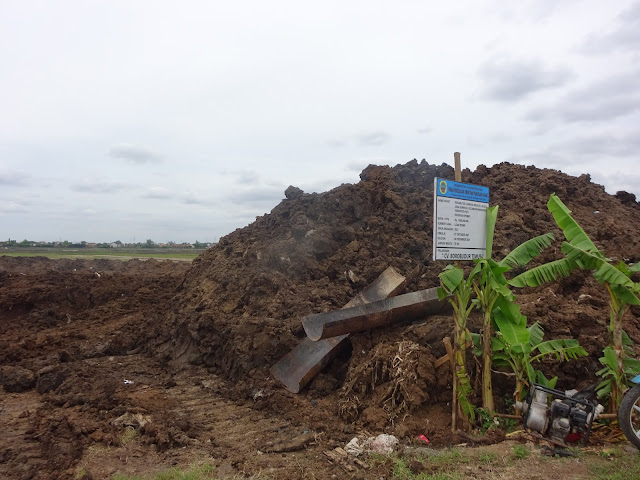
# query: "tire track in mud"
{"points": [[19, 454]]}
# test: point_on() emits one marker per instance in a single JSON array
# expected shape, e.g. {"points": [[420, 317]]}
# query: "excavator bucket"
{"points": [[298, 367], [409, 306]]}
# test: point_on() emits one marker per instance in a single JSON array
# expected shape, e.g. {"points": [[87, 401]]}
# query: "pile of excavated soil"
{"points": [[240, 306], [133, 367]]}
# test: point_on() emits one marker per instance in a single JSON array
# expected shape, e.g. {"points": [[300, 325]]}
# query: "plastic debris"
{"points": [[423, 438], [354, 447], [384, 443]]}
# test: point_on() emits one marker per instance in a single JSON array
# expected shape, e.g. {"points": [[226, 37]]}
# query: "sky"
{"points": [[184, 120]]}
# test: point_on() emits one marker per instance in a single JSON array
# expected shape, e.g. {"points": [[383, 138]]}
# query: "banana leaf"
{"points": [[540, 379], [527, 251], [536, 334], [492, 216], [604, 272], [561, 348], [570, 228], [625, 295], [515, 334], [451, 277], [547, 273]]}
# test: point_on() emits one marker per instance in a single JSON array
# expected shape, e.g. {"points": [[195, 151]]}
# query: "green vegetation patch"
{"points": [[194, 472]]}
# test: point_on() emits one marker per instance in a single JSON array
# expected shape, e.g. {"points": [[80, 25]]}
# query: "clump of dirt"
{"points": [[241, 303]]}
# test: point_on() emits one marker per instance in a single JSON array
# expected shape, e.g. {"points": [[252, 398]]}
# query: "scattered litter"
{"points": [[354, 447], [423, 438], [128, 382], [340, 457], [351, 277], [383, 443]]}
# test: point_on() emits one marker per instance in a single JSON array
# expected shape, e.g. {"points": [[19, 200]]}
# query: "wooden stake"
{"points": [[449, 349], [454, 400], [455, 406], [441, 361]]}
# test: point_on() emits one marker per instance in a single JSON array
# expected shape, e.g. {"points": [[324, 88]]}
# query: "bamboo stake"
{"points": [[455, 405]]}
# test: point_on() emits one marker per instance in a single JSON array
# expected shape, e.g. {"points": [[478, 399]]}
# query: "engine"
{"points": [[559, 417]]}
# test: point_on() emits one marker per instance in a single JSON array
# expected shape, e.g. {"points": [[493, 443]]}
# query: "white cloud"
{"points": [[158, 192], [508, 80], [99, 186], [13, 207], [622, 37], [134, 154], [13, 178]]}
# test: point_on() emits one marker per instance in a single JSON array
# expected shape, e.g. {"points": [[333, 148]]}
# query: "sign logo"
{"points": [[443, 187]]}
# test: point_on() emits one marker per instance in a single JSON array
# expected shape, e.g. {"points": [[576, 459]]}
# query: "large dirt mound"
{"points": [[241, 303]]}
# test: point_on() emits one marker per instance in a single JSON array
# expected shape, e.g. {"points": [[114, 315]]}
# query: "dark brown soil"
{"points": [[137, 366]]}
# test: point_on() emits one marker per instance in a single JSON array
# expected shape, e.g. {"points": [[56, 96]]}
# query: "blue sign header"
{"points": [[462, 191]]}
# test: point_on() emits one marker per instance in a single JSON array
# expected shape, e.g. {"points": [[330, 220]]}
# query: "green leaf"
{"points": [[497, 343], [524, 253], [492, 215], [510, 310], [604, 388], [536, 334], [631, 366], [442, 293], [570, 228], [609, 359], [544, 381], [547, 273], [451, 277], [561, 348], [604, 271], [512, 332], [501, 360], [500, 287], [624, 295], [635, 268]]}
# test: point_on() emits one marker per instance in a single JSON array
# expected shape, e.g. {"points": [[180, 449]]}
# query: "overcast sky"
{"points": [[184, 120]]}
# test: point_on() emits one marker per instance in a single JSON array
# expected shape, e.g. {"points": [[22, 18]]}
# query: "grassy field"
{"points": [[109, 253]]}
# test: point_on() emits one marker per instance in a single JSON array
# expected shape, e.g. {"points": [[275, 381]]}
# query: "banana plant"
{"points": [[491, 286], [518, 347], [616, 374], [457, 290], [581, 252]]}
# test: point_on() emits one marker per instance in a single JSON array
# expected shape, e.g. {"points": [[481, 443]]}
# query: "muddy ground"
{"points": [[133, 367]]}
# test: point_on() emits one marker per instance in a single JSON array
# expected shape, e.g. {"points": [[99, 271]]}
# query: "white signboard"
{"points": [[459, 220]]}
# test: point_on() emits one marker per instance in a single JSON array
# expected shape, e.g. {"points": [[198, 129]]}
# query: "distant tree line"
{"points": [[117, 244]]}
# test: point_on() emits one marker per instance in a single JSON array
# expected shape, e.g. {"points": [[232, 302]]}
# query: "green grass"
{"points": [[520, 452], [616, 466], [487, 458], [195, 472], [93, 254]]}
